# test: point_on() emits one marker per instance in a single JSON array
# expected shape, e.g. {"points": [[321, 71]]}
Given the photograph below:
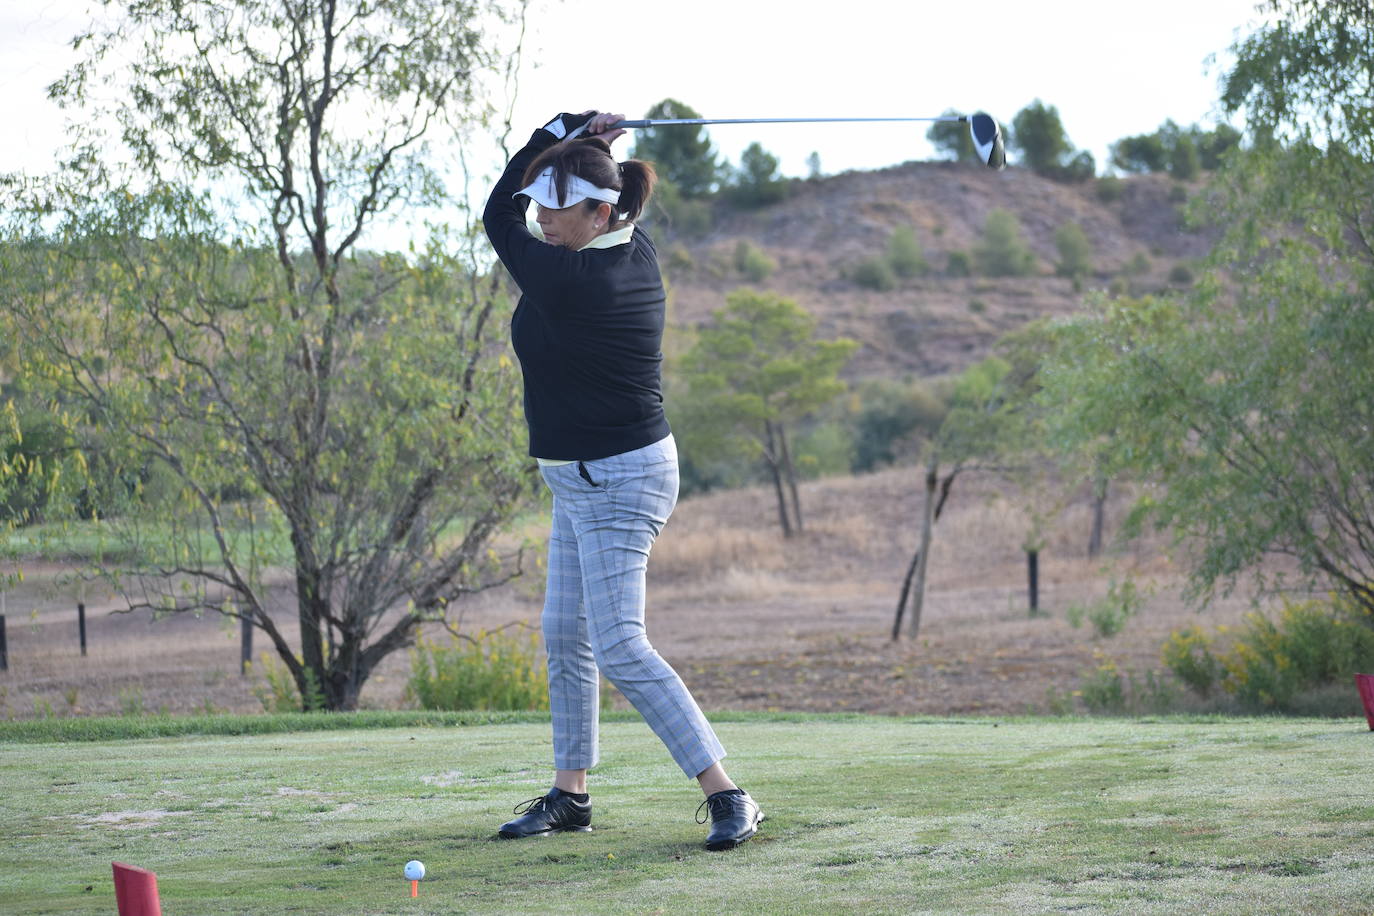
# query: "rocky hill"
{"points": [[935, 323]]}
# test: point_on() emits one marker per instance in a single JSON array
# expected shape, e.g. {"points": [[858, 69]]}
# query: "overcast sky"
{"points": [[1111, 69]]}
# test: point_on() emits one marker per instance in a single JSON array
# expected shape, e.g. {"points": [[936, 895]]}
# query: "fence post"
{"points": [[4, 647], [245, 645], [81, 626], [1033, 574]]}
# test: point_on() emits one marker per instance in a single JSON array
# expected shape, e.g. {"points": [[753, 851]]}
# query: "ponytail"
{"points": [[637, 186]]}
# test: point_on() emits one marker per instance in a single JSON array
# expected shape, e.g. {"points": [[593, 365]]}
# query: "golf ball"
{"points": [[415, 870]]}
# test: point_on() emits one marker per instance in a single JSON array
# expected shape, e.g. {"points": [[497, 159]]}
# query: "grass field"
{"points": [[865, 814]]}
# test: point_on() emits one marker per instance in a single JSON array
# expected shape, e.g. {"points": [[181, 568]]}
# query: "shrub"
{"points": [[753, 262], [1138, 265], [1075, 251], [1109, 189], [904, 253], [1081, 168], [679, 215], [874, 273], [1181, 275], [279, 693], [1002, 251], [1188, 654], [890, 414], [1108, 615], [960, 264], [1272, 663], [1312, 643], [1101, 689], [495, 670], [1184, 161]]}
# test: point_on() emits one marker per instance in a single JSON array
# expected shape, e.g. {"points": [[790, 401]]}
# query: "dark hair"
{"points": [[590, 159]]}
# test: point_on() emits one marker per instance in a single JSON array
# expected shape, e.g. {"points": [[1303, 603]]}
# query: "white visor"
{"points": [[544, 191]]}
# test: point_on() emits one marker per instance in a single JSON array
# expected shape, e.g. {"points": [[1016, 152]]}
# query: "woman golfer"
{"points": [[587, 332]]}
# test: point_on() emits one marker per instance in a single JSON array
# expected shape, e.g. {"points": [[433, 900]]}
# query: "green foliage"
{"points": [[1188, 654], [756, 183], [681, 154], [1181, 275], [1182, 152], [1039, 135], [279, 692], [1304, 77], [904, 253], [1108, 689], [891, 416], [1002, 251], [756, 369], [959, 264], [1109, 189], [1109, 614], [678, 214], [1102, 689], [1143, 153], [1270, 663], [875, 274], [1184, 161], [753, 262], [1214, 146], [1082, 167], [239, 374], [36, 447], [1245, 398], [1045, 148], [1075, 251], [499, 670]]}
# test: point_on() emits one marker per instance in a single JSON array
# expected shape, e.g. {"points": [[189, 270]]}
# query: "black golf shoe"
{"points": [[735, 817], [548, 814]]}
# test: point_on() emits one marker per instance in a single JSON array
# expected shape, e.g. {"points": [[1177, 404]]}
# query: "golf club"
{"points": [[987, 136]]}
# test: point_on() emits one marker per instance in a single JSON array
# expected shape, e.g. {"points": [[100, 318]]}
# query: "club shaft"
{"points": [[701, 121]]}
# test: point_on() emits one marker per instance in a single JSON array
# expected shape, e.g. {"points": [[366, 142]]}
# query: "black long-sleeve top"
{"points": [[587, 330]]}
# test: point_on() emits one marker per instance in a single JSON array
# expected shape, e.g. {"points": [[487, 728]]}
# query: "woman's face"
{"points": [[572, 227]]}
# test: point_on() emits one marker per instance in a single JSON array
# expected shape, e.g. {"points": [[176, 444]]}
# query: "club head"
{"points": [[987, 140]]}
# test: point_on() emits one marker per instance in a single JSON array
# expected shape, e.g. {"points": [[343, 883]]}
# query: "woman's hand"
{"points": [[600, 126]]}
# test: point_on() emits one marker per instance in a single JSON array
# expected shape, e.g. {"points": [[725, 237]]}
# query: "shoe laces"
{"points": [[721, 806], [533, 804]]}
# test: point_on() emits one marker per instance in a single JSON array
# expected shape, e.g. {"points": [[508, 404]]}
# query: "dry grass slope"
{"points": [[751, 621]]}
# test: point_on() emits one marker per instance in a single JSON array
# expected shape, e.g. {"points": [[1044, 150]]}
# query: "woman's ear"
{"points": [[603, 215]]}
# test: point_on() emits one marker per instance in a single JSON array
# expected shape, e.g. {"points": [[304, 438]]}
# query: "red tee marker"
{"points": [[135, 891], [1365, 683]]}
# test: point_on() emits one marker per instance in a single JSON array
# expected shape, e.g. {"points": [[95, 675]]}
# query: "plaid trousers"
{"points": [[606, 515]]}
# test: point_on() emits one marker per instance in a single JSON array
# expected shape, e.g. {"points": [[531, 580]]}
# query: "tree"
{"points": [[331, 421], [1140, 154], [1247, 401], [1181, 151], [1075, 251], [904, 253], [1040, 136], [683, 155], [978, 427], [756, 183], [1002, 252], [754, 372]]}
